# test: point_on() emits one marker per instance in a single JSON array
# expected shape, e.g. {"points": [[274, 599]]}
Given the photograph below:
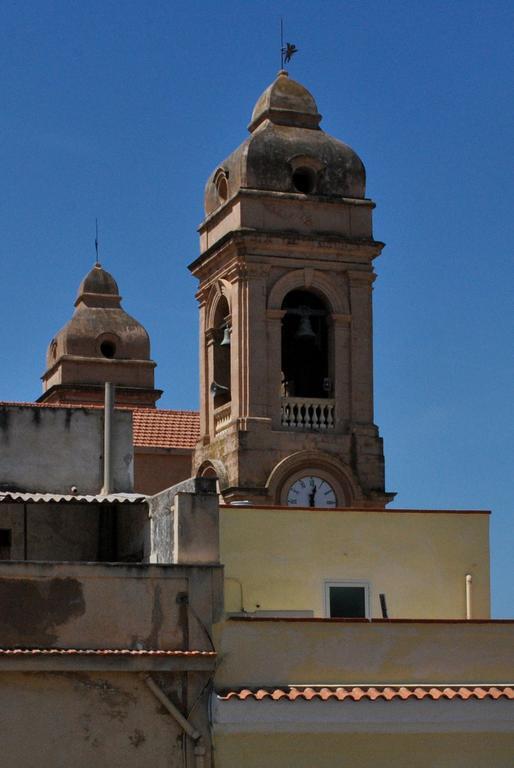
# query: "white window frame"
{"points": [[348, 583]]}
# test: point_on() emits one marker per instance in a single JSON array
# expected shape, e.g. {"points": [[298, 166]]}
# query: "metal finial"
{"points": [[97, 264]]}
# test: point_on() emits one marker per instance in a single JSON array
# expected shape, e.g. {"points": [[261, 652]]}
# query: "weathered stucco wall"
{"points": [[184, 523], [280, 558], [438, 750], [84, 719], [90, 605], [260, 652], [52, 449]]}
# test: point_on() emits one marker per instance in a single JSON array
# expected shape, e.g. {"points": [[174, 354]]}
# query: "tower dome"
{"points": [[286, 102], [287, 152], [98, 282], [100, 343]]}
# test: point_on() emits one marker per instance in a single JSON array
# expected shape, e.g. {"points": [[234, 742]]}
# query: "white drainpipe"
{"points": [[199, 750], [108, 419], [469, 581]]}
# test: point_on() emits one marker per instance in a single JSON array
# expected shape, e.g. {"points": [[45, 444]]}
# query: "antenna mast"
{"points": [[281, 43], [96, 243]]}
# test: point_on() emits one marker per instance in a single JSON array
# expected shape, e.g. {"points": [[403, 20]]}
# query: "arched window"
{"points": [[221, 373], [305, 346]]}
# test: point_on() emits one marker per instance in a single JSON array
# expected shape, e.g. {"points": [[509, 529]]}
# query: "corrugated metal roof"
{"points": [[372, 693], [56, 498]]}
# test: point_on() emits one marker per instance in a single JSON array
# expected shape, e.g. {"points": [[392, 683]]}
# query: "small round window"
{"points": [[222, 188], [304, 180], [108, 349]]}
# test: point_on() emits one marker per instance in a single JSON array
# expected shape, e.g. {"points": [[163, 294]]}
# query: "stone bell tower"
{"points": [[285, 294], [100, 343]]}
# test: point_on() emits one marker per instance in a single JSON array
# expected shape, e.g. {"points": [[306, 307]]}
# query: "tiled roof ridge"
{"points": [[100, 652], [187, 411], [372, 692]]}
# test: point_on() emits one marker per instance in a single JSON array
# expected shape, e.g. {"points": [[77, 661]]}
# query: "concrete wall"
{"points": [[264, 653], [82, 719], [184, 523], [52, 449], [279, 559], [76, 531], [436, 750], [114, 606], [108, 719]]}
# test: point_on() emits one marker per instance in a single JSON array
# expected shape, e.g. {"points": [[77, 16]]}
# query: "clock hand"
{"points": [[312, 493]]}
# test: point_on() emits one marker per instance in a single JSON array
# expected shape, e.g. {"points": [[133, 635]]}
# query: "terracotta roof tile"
{"points": [[371, 693], [157, 428], [98, 652]]}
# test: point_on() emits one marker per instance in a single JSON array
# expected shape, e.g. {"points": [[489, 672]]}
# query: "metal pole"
{"points": [[108, 419]]}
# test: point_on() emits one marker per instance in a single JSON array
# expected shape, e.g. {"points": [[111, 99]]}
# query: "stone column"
{"points": [[274, 390], [361, 347], [209, 339], [342, 388], [203, 372], [250, 358]]}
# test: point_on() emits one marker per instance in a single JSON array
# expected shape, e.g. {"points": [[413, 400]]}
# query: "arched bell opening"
{"points": [[220, 384], [305, 346]]}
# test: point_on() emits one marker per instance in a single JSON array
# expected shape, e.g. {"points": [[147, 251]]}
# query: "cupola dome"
{"points": [[287, 152], [100, 282], [101, 342], [286, 102]]}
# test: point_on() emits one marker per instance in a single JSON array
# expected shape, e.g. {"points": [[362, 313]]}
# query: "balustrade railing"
{"points": [[307, 413], [222, 417]]}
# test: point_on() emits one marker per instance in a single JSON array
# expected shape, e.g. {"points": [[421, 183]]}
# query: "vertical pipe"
{"points": [[469, 581], [108, 419], [25, 533], [199, 753]]}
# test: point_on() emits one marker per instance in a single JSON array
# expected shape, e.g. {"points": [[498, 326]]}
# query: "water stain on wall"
{"points": [[32, 610]]}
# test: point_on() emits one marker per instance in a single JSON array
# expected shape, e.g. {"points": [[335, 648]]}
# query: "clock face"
{"points": [[311, 491]]}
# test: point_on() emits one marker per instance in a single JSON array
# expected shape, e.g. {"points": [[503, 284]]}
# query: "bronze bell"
{"points": [[225, 342], [305, 330]]}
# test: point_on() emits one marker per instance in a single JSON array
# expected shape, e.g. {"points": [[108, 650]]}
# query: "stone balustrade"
{"points": [[307, 413], [222, 416]]}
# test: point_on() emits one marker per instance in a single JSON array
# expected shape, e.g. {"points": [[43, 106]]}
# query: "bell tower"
{"points": [[100, 343], [285, 292]]}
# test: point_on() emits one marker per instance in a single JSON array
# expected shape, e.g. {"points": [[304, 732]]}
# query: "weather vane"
{"points": [[96, 243], [288, 50]]}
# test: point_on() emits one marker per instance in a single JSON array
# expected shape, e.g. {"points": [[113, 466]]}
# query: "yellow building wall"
{"points": [[438, 750], [278, 559], [257, 653]]}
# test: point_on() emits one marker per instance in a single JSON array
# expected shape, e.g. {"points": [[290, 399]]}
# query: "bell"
{"points": [[225, 342], [305, 330]]}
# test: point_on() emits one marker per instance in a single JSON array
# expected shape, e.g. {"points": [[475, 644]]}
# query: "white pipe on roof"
{"points": [[108, 419]]}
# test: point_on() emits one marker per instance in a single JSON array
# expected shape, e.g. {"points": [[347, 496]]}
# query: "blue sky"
{"points": [[121, 110]]}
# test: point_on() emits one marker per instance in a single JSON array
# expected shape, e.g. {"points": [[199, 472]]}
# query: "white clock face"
{"points": [[311, 491]]}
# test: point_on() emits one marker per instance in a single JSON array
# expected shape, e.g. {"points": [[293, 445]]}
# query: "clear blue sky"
{"points": [[121, 110]]}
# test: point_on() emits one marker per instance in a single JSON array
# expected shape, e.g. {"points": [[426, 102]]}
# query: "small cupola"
{"points": [[286, 102], [100, 343], [98, 289]]}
